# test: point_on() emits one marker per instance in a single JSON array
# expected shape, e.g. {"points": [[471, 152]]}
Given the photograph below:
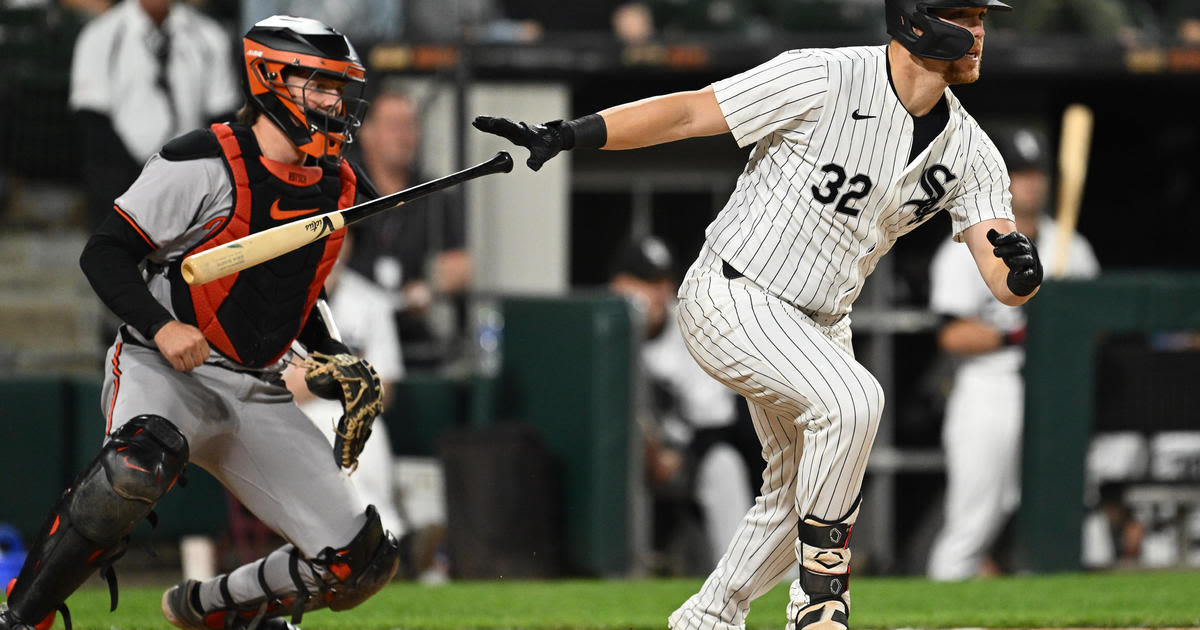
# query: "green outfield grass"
{"points": [[1157, 599]]}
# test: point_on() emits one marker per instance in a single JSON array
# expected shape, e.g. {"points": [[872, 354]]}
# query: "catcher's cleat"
{"points": [[177, 606], [180, 611], [8, 621]]}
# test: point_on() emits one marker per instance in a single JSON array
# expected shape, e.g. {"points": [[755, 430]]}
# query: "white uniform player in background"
{"points": [[984, 417], [851, 148]]}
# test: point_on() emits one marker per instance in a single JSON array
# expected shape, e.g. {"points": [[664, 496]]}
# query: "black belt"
{"points": [[822, 319], [267, 376]]}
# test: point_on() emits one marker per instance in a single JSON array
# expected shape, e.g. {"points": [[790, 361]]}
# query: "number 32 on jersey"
{"points": [[933, 184]]}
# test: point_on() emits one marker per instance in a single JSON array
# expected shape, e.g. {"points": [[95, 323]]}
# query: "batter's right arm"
{"points": [[998, 270], [643, 123]]}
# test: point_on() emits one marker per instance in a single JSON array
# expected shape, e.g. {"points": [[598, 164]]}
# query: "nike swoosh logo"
{"points": [[283, 215], [858, 116]]}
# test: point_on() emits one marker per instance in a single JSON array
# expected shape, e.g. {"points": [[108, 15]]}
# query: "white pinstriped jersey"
{"points": [[828, 187]]}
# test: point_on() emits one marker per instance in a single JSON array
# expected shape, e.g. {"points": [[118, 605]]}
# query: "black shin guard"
{"points": [[88, 526], [824, 549], [363, 566]]}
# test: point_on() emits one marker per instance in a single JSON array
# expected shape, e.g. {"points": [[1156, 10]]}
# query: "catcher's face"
{"points": [[320, 93]]}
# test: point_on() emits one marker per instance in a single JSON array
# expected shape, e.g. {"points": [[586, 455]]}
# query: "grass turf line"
{"points": [[1142, 599]]}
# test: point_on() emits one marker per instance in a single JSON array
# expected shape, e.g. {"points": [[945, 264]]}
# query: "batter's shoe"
{"points": [[179, 606], [826, 615]]}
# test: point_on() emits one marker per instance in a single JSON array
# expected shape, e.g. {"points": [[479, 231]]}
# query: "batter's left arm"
{"points": [[1007, 260], [666, 118], [643, 123]]}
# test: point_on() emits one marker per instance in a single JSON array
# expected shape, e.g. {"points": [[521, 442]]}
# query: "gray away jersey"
{"points": [[175, 205], [828, 188]]}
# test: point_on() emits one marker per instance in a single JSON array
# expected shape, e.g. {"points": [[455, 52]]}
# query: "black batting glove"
{"points": [[543, 141], [1021, 257]]}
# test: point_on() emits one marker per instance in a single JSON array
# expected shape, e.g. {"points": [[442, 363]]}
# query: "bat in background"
{"points": [[259, 247], [1075, 144]]}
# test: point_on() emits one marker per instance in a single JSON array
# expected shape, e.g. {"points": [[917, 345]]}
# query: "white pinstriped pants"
{"points": [[816, 411]]}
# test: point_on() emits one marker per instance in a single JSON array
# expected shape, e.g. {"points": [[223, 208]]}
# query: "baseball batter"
{"points": [[850, 149], [194, 375]]}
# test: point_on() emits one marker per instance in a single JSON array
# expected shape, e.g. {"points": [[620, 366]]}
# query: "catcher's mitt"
{"points": [[352, 380]]}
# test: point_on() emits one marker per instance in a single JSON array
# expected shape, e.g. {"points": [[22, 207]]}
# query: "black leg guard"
{"points": [[88, 526], [362, 567], [824, 549]]}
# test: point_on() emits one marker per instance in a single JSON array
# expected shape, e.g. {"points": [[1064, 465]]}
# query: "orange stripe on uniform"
{"points": [[116, 370], [133, 223]]}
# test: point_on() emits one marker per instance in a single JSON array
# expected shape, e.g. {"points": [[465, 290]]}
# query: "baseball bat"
{"points": [[1075, 144], [259, 247]]}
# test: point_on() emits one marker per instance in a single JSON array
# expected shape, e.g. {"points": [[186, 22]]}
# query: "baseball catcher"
{"points": [[196, 370]]}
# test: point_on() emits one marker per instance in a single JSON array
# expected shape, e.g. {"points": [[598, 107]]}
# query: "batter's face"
{"points": [[965, 69]]}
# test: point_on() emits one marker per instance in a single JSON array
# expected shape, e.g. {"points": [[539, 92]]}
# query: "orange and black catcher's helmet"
{"points": [[939, 39], [283, 46]]}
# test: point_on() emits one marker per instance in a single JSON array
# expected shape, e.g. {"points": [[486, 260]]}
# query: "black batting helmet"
{"points": [[938, 39], [283, 44]]}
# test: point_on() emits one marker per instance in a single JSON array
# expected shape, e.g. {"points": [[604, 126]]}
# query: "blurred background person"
{"points": [[418, 252], [394, 21], [984, 418], [469, 20], [142, 73], [1124, 20], [363, 21], [1184, 18], [701, 453]]}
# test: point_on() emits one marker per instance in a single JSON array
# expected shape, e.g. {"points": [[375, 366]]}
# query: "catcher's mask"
{"points": [[939, 39], [317, 59]]}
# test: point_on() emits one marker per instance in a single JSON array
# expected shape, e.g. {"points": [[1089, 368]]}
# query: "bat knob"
{"points": [[504, 162]]}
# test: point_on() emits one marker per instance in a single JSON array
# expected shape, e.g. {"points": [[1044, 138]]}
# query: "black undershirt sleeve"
{"points": [[110, 261]]}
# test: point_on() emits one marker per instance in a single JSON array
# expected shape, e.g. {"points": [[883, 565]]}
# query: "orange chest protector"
{"points": [[252, 316]]}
